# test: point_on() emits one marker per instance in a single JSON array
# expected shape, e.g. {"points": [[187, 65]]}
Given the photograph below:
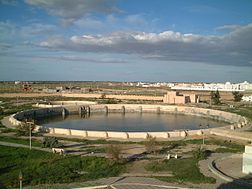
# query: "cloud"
{"points": [[228, 27], [233, 48], [37, 29], [7, 30], [71, 11], [94, 24], [203, 9], [11, 32], [136, 19], [89, 23]]}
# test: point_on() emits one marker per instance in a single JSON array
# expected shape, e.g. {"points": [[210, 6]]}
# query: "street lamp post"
{"points": [[20, 177], [203, 135], [30, 137], [30, 133]]}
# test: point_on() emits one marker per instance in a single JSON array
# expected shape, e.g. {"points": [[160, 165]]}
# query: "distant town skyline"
{"points": [[126, 40]]}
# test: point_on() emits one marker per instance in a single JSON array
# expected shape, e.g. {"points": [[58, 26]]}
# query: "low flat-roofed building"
{"points": [[175, 97]]}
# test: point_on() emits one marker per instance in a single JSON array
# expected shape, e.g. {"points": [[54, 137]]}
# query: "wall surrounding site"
{"points": [[234, 119], [127, 97]]}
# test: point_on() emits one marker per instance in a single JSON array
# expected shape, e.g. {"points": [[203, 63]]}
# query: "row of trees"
{"points": [[215, 97]]}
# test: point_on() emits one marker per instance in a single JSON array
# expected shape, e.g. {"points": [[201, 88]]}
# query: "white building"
{"points": [[214, 86], [247, 98]]}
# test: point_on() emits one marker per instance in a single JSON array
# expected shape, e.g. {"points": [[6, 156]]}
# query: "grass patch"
{"points": [[8, 130], [226, 146], [95, 150], [98, 141], [1, 125], [11, 109], [184, 170], [20, 141], [243, 110], [47, 168], [227, 150]]}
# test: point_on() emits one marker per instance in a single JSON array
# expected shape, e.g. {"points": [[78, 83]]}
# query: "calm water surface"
{"points": [[134, 122]]}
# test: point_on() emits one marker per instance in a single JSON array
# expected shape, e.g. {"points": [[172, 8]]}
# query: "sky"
{"points": [[126, 40]]}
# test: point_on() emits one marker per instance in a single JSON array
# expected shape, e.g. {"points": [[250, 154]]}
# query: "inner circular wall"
{"points": [[234, 119]]}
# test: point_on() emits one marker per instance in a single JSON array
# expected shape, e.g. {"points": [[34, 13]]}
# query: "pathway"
{"points": [[24, 146], [234, 134]]}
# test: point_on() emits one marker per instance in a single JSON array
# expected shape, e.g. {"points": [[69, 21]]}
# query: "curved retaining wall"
{"points": [[64, 103], [234, 119]]}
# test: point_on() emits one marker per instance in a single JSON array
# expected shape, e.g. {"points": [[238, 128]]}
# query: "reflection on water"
{"points": [[129, 122]]}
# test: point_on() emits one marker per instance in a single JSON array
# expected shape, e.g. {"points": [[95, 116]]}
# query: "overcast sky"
{"points": [[126, 40]]}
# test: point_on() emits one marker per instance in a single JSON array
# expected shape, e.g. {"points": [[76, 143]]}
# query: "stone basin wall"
{"points": [[236, 121]]}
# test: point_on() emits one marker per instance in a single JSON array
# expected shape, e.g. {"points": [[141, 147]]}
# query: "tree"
{"points": [[237, 96], [151, 144], [114, 151], [215, 97], [24, 128]]}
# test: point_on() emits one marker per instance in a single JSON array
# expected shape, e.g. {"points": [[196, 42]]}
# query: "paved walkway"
{"points": [[238, 134], [117, 183], [5, 121], [230, 168]]}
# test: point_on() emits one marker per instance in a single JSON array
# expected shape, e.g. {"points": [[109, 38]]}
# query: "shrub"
{"points": [[201, 154], [150, 144], [50, 142], [25, 128], [114, 151]]}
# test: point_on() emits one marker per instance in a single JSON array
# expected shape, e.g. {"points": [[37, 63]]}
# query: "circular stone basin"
{"points": [[130, 122]]}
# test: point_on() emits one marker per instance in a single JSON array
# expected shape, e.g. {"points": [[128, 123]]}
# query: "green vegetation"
{"points": [[244, 111], [114, 152], [25, 128], [201, 153], [23, 141], [240, 109], [42, 167], [184, 170], [215, 97], [7, 130], [1, 125], [226, 146], [93, 149], [237, 96], [50, 142], [227, 150], [98, 141], [109, 101], [12, 109], [150, 144]]}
